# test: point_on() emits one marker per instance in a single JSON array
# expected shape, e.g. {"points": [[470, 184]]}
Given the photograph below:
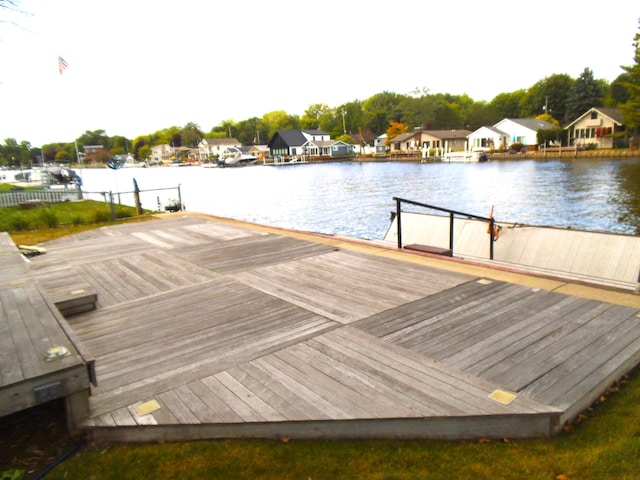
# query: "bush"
{"points": [[48, 218], [122, 212], [101, 216], [19, 223], [77, 220]]}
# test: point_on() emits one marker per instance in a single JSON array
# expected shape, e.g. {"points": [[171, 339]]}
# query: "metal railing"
{"points": [[128, 197], [452, 214], [12, 198]]}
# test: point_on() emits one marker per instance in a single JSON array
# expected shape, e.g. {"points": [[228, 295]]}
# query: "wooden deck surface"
{"points": [[30, 325], [209, 329]]}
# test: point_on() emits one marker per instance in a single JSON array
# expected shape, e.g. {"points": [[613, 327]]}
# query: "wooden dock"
{"points": [[209, 328], [41, 359]]}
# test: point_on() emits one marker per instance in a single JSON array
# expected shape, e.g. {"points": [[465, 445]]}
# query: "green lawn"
{"points": [[604, 444], [49, 221]]}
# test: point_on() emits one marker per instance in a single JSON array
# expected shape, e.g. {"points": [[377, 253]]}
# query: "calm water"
{"points": [[355, 199]]}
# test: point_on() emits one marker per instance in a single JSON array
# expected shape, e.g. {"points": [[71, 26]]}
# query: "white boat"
{"points": [[238, 159], [466, 156]]}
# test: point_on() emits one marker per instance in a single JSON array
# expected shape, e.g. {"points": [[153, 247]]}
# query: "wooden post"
{"points": [[136, 197]]}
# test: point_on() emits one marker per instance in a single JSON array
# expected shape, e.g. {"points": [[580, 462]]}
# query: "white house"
{"points": [[161, 154], [487, 138], [507, 132], [596, 126], [380, 144], [213, 148]]}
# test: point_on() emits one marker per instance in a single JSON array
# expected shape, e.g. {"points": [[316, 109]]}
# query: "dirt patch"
{"points": [[33, 439]]}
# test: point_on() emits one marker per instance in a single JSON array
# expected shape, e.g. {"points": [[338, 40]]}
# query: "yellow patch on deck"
{"points": [[502, 397], [147, 407], [77, 292], [485, 281]]}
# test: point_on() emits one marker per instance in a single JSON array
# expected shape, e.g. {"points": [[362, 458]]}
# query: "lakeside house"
{"points": [[313, 143], [213, 148], [601, 127], [507, 132], [419, 139]]}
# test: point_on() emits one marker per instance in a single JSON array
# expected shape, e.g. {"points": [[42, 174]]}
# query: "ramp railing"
{"points": [[452, 215]]}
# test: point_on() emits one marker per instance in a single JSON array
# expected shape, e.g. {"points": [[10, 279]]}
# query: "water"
{"points": [[355, 199]]}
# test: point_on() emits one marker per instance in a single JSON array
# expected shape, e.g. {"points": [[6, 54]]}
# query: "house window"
{"points": [[594, 115]]}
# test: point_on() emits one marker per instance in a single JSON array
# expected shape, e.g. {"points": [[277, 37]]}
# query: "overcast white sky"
{"points": [[138, 66]]}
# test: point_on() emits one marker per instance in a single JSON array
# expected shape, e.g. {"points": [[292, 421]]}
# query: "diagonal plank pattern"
{"points": [[208, 329]]}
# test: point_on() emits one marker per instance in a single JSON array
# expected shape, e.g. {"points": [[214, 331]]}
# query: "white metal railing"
{"points": [[16, 197]]}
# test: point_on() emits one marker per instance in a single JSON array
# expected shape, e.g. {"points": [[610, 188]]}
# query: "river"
{"points": [[355, 199]]}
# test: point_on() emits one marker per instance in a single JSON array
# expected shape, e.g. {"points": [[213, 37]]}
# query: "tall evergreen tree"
{"points": [[585, 93], [631, 108]]}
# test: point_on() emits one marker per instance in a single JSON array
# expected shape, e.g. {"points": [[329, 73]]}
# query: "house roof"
{"points": [[221, 141], [292, 138], [315, 132], [614, 114], [495, 130], [530, 123], [404, 136], [443, 134]]}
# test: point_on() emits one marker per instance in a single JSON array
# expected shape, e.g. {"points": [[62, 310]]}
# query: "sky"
{"points": [[139, 66]]}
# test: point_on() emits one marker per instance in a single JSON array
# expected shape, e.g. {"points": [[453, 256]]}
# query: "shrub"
{"points": [[77, 220], [101, 216], [48, 217], [122, 212], [19, 223]]}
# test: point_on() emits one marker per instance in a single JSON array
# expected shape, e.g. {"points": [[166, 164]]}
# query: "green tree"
{"points": [[96, 137], [312, 116], [506, 105], [548, 95], [585, 94], [144, 152], [379, 110], [191, 135], [618, 93], [63, 157], [278, 120], [631, 108]]}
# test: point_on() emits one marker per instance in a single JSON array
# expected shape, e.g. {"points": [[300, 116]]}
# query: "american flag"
{"points": [[62, 64]]}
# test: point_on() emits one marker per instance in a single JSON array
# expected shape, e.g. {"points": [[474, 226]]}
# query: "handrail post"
{"points": [[491, 230], [399, 223], [451, 232]]}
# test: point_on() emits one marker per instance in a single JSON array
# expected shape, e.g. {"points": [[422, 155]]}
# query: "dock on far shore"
{"points": [[205, 327]]}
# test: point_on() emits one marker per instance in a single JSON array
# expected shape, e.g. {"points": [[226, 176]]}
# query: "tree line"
{"points": [[559, 99]]}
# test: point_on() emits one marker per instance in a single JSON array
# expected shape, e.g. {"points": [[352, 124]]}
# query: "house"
{"points": [[213, 148], [380, 144], [454, 140], [488, 138], [507, 132], [597, 126], [289, 143], [362, 143], [161, 154], [418, 139], [260, 151], [93, 153]]}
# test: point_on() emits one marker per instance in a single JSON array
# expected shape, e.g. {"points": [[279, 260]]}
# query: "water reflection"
{"points": [[355, 199]]}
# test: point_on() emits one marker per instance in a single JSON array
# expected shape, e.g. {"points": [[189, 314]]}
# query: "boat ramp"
{"points": [[205, 327]]}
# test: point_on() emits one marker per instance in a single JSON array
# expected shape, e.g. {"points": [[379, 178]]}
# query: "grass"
{"points": [[604, 444], [50, 221]]}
